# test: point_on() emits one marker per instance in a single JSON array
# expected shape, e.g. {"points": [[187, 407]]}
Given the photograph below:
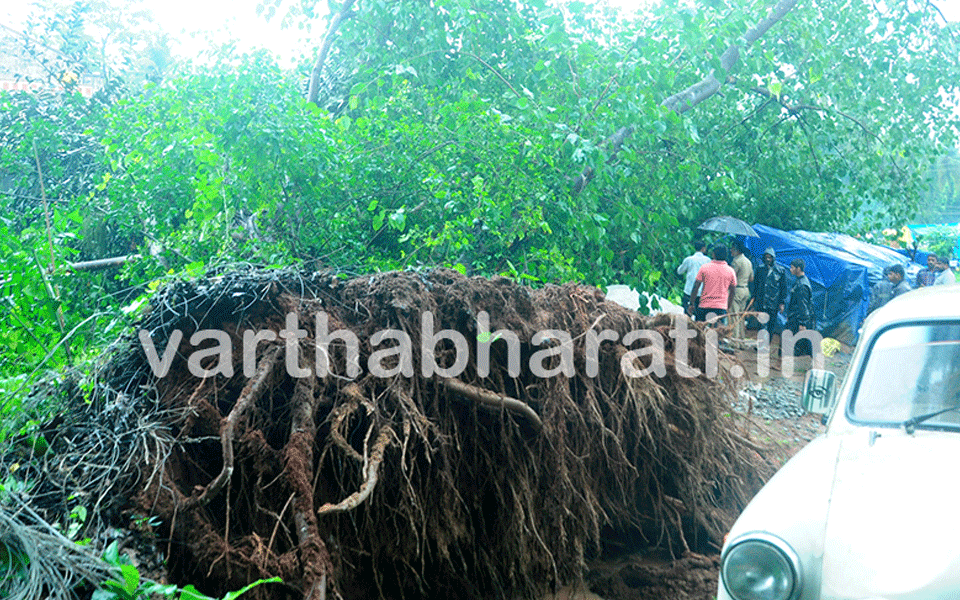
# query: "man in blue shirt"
{"points": [[929, 275]]}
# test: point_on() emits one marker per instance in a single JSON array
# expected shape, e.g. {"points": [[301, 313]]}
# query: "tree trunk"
{"points": [[338, 19]]}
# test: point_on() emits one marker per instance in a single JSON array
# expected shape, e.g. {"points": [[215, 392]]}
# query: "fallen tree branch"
{"points": [[102, 263], [251, 392], [495, 72], [686, 99], [495, 400]]}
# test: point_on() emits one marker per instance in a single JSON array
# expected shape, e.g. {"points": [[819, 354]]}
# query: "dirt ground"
{"points": [[695, 577], [791, 434]]}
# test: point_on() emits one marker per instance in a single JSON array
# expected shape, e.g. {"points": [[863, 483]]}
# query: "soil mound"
{"points": [[321, 430]]}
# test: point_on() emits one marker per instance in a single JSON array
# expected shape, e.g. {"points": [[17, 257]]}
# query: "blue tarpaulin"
{"points": [[841, 270], [918, 256]]}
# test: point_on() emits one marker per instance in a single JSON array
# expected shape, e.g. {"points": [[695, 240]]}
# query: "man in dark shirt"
{"points": [[881, 292], [892, 286], [769, 288], [800, 311], [896, 277]]}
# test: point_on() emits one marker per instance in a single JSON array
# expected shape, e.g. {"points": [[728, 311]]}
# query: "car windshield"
{"points": [[911, 370]]}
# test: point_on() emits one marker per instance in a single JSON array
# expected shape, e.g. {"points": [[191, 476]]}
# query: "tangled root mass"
{"points": [[487, 484]]}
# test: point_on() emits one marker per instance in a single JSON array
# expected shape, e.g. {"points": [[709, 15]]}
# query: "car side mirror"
{"points": [[819, 388]]}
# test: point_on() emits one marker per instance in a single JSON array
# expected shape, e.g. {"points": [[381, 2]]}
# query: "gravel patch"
{"points": [[776, 402], [776, 399]]}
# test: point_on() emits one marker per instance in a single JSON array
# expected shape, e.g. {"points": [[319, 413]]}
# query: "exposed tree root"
{"points": [[358, 486], [313, 553], [251, 392], [494, 400], [371, 466]]}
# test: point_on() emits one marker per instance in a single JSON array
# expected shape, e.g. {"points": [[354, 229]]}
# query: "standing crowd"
{"points": [[894, 282], [726, 285]]}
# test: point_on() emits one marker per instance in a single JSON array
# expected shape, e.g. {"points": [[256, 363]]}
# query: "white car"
{"points": [[871, 509]]}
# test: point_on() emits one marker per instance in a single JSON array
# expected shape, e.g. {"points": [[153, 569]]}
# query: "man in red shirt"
{"points": [[719, 282]]}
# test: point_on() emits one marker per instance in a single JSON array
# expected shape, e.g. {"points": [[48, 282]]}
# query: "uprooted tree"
{"points": [[468, 483]]}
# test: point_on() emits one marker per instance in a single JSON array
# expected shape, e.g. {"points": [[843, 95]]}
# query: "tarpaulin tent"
{"points": [[841, 270]]}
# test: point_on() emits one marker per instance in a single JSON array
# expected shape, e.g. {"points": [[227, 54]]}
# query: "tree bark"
{"points": [[345, 13], [684, 100]]}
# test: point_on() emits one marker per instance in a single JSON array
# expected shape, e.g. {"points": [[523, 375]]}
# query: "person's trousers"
{"points": [[741, 297], [801, 347], [686, 301], [703, 313], [771, 324]]}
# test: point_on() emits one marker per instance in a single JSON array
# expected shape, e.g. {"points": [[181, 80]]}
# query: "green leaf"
{"points": [[131, 578], [152, 587], [195, 269], [112, 554], [398, 220], [815, 73], [191, 593], [776, 88], [234, 595]]}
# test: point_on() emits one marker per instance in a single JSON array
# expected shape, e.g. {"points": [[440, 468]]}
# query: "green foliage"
{"points": [[447, 133], [836, 140], [942, 241], [128, 585], [942, 202]]}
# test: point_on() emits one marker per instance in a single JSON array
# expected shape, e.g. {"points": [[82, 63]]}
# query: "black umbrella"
{"points": [[728, 225]]}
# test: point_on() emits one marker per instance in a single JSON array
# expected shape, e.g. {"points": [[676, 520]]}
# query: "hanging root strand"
{"points": [[371, 467], [250, 394]]}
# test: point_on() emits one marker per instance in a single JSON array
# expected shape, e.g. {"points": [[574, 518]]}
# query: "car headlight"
{"points": [[760, 566]]}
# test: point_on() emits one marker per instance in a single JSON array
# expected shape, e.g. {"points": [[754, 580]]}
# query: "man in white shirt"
{"points": [[944, 274], [689, 268]]}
